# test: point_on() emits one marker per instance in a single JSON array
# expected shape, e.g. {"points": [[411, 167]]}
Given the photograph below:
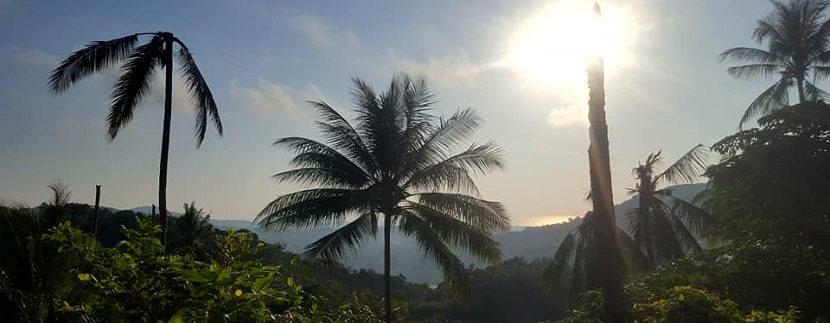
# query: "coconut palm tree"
{"points": [[795, 35], [599, 164], [192, 233], [140, 65], [664, 225], [395, 161], [577, 255]]}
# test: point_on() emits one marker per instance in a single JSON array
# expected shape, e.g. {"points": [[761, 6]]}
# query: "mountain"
{"points": [[147, 209], [528, 243]]}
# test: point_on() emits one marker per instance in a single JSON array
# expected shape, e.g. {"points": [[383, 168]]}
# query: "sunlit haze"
{"points": [[519, 64]]}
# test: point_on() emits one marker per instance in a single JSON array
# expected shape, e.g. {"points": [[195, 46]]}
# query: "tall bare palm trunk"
{"points": [[800, 84], [610, 258], [387, 267], [645, 219], [165, 137]]}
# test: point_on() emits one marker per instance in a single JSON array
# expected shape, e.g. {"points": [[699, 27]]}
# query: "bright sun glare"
{"points": [[553, 46]]}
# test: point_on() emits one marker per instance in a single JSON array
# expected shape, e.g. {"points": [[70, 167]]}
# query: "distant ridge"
{"points": [[529, 242]]}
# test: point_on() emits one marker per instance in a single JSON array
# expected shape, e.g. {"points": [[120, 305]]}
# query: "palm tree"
{"points": [[664, 225], [134, 83], [599, 163], [395, 162], [192, 233], [577, 257], [796, 37]]}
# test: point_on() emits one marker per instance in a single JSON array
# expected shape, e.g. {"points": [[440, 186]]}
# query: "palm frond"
{"points": [[418, 99], [200, 94], [776, 96], [476, 241], [821, 71], [339, 133], [754, 71], [760, 56], [432, 246], [313, 154], [478, 158], [94, 57], [685, 237], [554, 272], [333, 246], [692, 216], [688, 167], [813, 93], [313, 208], [133, 84], [325, 176], [438, 141], [482, 214]]}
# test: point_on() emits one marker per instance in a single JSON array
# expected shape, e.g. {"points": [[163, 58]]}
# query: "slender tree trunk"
{"points": [[153, 214], [610, 258], [645, 219], [387, 267], [165, 137], [97, 214], [801, 96]]}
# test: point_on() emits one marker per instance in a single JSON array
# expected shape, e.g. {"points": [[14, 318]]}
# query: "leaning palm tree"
{"points": [[663, 225], [796, 38], [395, 161], [134, 83]]}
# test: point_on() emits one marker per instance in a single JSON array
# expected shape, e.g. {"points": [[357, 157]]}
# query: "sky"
{"points": [[512, 61]]}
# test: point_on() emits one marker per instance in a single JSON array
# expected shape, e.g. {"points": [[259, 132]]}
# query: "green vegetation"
{"points": [[753, 246]]}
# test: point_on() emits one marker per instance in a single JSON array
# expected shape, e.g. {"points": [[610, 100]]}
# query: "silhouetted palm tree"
{"points": [[664, 225], [796, 37], [577, 256], [396, 162], [192, 233], [32, 272], [134, 83], [610, 260]]}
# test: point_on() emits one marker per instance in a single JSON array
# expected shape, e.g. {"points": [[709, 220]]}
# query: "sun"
{"points": [[553, 46]]}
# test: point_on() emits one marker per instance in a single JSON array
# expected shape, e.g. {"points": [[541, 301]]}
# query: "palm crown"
{"points": [[664, 225], [397, 162], [134, 83], [796, 36], [138, 69]]}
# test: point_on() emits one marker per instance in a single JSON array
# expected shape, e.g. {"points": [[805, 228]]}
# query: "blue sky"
{"points": [[264, 58]]}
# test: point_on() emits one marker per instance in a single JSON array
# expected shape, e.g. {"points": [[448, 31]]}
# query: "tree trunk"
{"points": [[645, 219], [801, 96], [387, 267], [97, 214], [165, 137], [609, 259]]}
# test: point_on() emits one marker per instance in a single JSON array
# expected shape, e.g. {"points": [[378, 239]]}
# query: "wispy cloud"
{"points": [[32, 58], [324, 36], [268, 99], [571, 114], [447, 70]]}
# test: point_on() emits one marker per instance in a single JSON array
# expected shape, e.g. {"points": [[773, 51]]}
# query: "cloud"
{"points": [[268, 99], [570, 114], [33, 58], [322, 35], [448, 70], [182, 103]]}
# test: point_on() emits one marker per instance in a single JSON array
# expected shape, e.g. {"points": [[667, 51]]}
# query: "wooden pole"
{"points": [[97, 210]]}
